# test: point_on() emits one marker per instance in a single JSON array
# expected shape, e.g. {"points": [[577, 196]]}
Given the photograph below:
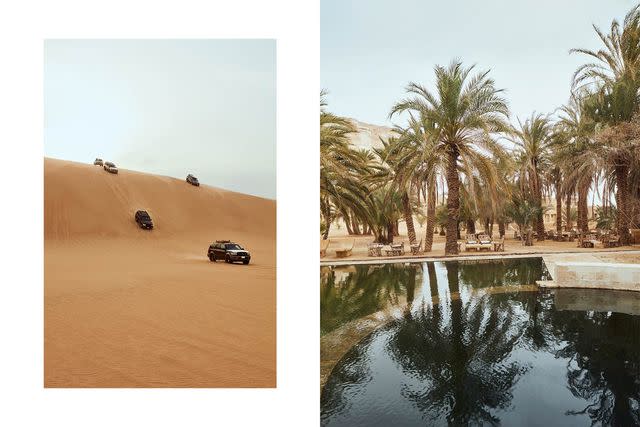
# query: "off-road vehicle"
{"points": [[228, 251], [98, 162], [144, 220], [193, 180], [110, 167]]}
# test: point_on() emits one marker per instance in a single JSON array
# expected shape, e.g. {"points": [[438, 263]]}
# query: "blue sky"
{"points": [[168, 107], [370, 50]]}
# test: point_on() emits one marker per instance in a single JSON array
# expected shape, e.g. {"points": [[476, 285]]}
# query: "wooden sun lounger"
{"points": [[395, 250], [343, 253], [375, 249], [471, 244], [485, 242], [612, 242]]}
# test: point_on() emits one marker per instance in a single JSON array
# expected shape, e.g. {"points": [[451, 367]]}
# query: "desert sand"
{"points": [[340, 239], [126, 307]]}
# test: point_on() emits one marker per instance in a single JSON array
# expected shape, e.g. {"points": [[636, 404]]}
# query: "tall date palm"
{"points": [[466, 109], [533, 139]]}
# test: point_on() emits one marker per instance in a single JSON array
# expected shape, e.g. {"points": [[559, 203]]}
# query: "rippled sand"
{"points": [[125, 307]]}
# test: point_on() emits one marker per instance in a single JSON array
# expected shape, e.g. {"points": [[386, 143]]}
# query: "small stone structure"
{"points": [[600, 275]]}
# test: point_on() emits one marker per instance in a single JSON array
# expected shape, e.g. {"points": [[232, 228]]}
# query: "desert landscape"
{"points": [[126, 307]]}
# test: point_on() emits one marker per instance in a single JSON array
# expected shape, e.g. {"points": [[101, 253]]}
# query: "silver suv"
{"points": [[110, 167]]}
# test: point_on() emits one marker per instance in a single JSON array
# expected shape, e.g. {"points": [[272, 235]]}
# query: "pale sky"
{"points": [[370, 50], [168, 107]]}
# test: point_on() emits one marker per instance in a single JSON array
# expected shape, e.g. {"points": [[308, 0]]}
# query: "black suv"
{"points": [[144, 220], [193, 180], [228, 251]]}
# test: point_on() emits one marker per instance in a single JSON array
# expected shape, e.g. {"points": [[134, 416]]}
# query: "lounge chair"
{"points": [[415, 249], [587, 240], [471, 242], [613, 240], [345, 252], [375, 249], [395, 250], [609, 240], [324, 244], [485, 242]]}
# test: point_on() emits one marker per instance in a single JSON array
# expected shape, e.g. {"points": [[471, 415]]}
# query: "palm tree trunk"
{"points": [[558, 210], [540, 220], [431, 217], [347, 222], [568, 210], [501, 229], [453, 202], [390, 232], [622, 199], [355, 226], [327, 220], [408, 218], [583, 210], [471, 226]]}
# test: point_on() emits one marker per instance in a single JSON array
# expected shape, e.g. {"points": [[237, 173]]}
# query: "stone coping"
{"points": [[488, 256], [623, 265]]}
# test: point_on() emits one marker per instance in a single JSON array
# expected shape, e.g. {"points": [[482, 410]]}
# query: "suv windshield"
{"points": [[232, 246]]}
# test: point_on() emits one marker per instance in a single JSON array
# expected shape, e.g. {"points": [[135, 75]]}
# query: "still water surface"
{"points": [[477, 346]]}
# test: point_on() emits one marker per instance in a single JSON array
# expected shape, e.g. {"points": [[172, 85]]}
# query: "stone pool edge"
{"points": [[590, 272], [488, 256]]}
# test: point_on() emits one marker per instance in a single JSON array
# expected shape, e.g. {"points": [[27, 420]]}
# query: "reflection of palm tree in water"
{"points": [[364, 291], [603, 363], [604, 367], [462, 362], [458, 353], [508, 272]]}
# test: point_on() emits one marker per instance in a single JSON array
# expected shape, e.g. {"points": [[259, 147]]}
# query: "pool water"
{"points": [[478, 345]]}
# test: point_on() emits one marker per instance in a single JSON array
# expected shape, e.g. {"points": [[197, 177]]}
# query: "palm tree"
{"points": [[464, 110], [613, 79], [391, 154], [524, 213], [533, 139], [419, 164], [339, 167], [573, 151]]}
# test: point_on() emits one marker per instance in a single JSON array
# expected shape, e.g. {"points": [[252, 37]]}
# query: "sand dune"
{"points": [[125, 307]]}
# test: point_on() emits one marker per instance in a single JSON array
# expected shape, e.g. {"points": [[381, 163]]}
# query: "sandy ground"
{"points": [[125, 307], [339, 239]]}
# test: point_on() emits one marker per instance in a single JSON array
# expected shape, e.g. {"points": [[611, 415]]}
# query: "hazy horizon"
{"points": [[168, 107]]}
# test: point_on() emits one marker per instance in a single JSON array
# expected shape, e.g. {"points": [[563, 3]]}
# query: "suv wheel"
{"points": [[245, 262], [227, 259], [212, 257]]}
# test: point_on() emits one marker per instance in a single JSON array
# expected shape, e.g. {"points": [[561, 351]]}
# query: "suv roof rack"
{"points": [[223, 241]]}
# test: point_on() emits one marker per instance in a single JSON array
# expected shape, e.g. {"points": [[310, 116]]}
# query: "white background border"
{"points": [[24, 26]]}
